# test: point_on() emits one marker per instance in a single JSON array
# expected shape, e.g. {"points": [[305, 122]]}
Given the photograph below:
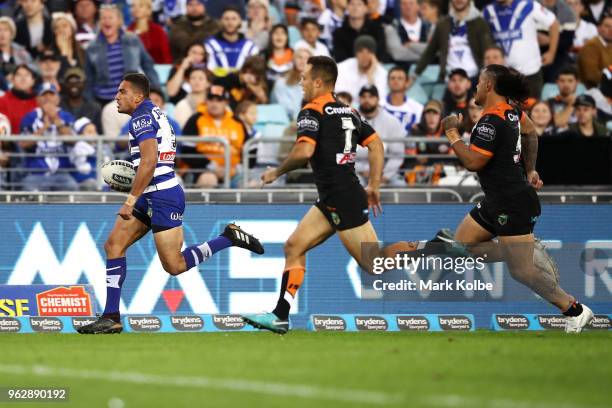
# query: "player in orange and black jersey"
{"points": [[327, 137], [503, 151]]}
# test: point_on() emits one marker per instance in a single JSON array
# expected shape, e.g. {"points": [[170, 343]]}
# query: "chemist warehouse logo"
{"points": [[62, 301]]}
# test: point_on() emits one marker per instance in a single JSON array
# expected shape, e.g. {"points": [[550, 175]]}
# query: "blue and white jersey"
{"points": [[148, 122], [515, 30], [409, 113], [225, 57], [51, 154]]}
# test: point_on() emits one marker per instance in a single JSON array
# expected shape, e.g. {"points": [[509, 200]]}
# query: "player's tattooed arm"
{"points": [[298, 158], [529, 151]]}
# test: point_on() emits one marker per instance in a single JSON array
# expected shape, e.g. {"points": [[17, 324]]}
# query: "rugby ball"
{"points": [[119, 174]]}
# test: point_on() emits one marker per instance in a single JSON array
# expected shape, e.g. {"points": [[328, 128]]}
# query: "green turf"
{"points": [[480, 369]]}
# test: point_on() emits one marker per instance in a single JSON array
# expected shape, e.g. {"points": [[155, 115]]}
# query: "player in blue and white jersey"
{"points": [[156, 202]]}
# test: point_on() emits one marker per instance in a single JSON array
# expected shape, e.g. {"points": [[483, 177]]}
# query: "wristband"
{"points": [[452, 135], [130, 200]]}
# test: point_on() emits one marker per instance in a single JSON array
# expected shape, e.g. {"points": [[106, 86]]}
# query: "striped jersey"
{"points": [[148, 122], [225, 56]]}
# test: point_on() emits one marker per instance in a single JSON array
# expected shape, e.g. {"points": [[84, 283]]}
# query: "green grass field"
{"points": [[305, 369]]}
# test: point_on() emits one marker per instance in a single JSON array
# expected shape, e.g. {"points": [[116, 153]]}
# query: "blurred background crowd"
{"points": [[231, 70]]}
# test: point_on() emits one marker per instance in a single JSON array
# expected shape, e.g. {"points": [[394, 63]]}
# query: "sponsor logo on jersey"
{"points": [[308, 123], [142, 122], [485, 132], [376, 323], [228, 322], [63, 301], [176, 216], [145, 323], [330, 110], [332, 323], [46, 324], [454, 322], [502, 219], [167, 156], [335, 218], [552, 322], [187, 323], [412, 322], [512, 117], [9, 325], [512, 322], [346, 158]]}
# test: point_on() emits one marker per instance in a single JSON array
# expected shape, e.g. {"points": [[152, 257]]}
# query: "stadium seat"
{"points": [[429, 75], [163, 70], [417, 93], [294, 35], [274, 113], [438, 91], [170, 109]]}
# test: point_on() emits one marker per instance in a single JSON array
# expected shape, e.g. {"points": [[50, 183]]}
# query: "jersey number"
{"points": [[348, 126]]}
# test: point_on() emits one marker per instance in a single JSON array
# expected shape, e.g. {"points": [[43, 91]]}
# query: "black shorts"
{"points": [[345, 209], [516, 215]]}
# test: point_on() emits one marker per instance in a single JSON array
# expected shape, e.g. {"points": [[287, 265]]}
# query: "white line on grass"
{"points": [[460, 401], [229, 384]]}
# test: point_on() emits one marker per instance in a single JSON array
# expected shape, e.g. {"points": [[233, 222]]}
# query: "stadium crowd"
{"points": [[232, 69]]}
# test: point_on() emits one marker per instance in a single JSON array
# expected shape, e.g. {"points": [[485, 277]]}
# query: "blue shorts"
{"points": [[161, 210]]}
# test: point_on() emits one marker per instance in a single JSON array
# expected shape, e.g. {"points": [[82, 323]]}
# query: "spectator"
{"points": [[152, 35], [195, 26], [279, 55], [474, 114], [214, 119], [228, 49], [198, 80], [158, 98], [50, 64], [74, 102], [603, 96], [249, 84], [595, 10], [562, 105], [65, 44], [345, 98], [411, 28], [83, 155], [331, 19], [388, 128], [458, 93], [310, 38], [5, 157], [20, 99], [86, 15], [422, 171], [459, 40], [258, 23], [430, 13], [494, 54], [13, 54], [47, 168], [567, 26], [518, 37], [287, 90], [112, 54], [176, 87], [596, 54], [542, 119], [34, 27], [357, 23], [363, 69], [584, 30], [405, 109], [586, 118]]}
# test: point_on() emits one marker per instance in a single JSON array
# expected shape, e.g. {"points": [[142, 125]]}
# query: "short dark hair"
{"points": [[568, 70], [324, 68], [158, 92], [397, 68], [139, 82], [309, 20], [509, 83], [231, 7]]}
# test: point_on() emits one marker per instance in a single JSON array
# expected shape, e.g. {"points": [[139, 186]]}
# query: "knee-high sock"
{"points": [[115, 275], [292, 280], [196, 254]]}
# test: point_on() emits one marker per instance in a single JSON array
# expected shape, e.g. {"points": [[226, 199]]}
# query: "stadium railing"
{"points": [[15, 172]]}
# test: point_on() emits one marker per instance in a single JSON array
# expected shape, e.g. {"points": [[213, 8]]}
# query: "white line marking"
{"points": [[459, 401], [230, 384]]}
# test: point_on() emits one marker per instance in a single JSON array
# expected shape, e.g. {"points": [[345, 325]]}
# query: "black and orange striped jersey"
{"points": [[498, 135], [335, 130]]}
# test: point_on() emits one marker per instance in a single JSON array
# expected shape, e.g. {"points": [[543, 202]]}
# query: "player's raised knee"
{"points": [[173, 268]]}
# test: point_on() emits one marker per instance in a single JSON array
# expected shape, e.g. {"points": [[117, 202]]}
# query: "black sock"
{"points": [[115, 317], [282, 306], [574, 310]]}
